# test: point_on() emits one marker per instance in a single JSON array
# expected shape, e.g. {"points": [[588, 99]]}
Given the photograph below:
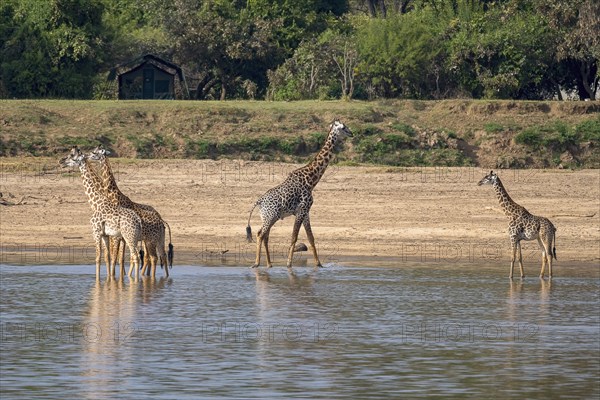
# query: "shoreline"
{"points": [[364, 214]]}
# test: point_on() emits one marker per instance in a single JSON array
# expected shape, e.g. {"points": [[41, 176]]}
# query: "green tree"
{"points": [[135, 28], [322, 67], [502, 53], [52, 48], [297, 20], [400, 55], [577, 41], [341, 51], [218, 42], [301, 76]]}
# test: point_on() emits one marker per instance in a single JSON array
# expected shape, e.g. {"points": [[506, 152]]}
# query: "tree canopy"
{"points": [[307, 49]]}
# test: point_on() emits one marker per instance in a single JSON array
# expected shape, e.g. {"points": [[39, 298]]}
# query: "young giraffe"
{"points": [[108, 219], [294, 197], [153, 226], [524, 226]]}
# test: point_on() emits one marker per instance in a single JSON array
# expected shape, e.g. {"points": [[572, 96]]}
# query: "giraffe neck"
{"points": [[316, 168], [508, 206], [110, 185], [92, 185]]}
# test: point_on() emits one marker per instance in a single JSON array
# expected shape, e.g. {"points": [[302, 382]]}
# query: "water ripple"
{"points": [[229, 332]]}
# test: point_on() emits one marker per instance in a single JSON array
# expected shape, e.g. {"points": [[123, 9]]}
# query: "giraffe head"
{"points": [[98, 154], [75, 158], [339, 130], [489, 179]]}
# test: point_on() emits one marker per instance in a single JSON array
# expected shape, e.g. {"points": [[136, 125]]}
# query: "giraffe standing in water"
{"points": [[524, 226], [294, 197], [108, 219], [153, 226]]}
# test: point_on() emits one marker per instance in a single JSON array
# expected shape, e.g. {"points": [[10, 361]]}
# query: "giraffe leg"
{"points": [[311, 241], [295, 231], [106, 241], [162, 255], [512, 261], [134, 260], [97, 231], [152, 257], [544, 257], [114, 252], [98, 254], [148, 267], [144, 262], [148, 258], [259, 240], [121, 253], [267, 252], [544, 261], [263, 233], [166, 267], [520, 260], [160, 246], [547, 243]]}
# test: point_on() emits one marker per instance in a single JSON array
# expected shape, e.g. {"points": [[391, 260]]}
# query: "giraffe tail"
{"points": [[170, 252], [554, 246], [248, 228]]}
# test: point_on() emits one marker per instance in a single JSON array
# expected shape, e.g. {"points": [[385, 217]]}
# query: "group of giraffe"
{"points": [[116, 216]]}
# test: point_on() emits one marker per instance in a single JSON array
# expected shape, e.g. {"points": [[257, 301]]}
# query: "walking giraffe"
{"points": [[294, 197], [524, 226], [108, 219], [153, 226]]}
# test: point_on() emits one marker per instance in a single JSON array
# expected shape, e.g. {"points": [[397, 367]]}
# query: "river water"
{"points": [[232, 332]]}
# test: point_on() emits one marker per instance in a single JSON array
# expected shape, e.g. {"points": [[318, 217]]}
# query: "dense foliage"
{"points": [[308, 49]]}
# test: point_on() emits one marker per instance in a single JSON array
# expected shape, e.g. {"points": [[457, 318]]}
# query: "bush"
{"points": [[589, 130], [559, 136], [530, 137]]}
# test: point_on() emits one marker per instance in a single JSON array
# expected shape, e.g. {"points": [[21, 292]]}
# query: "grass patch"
{"points": [[559, 136], [419, 157], [589, 130], [405, 128], [493, 127]]}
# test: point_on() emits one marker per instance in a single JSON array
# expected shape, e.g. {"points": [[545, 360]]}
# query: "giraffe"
{"points": [[524, 226], [153, 226], [94, 194], [294, 197], [108, 219]]}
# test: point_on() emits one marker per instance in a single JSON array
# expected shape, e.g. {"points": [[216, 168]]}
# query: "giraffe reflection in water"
{"points": [[110, 326]]}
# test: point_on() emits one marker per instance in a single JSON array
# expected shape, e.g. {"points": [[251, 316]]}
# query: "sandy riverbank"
{"points": [[361, 214]]}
